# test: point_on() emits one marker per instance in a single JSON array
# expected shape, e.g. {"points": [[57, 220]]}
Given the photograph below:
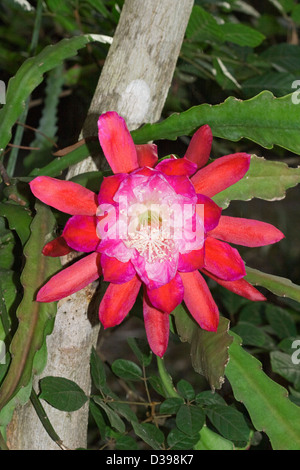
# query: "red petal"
{"points": [[223, 261], [65, 196], [80, 233], [157, 326], [199, 301], [109, 187], [208, 209], [115, 271], [167, 297], [177, 167], [71, 279], [246, 232], [240, 287], [221, 174], [117, 143], [57, 247], [118, 300], [147, 155], [200, 146], [191, 261]]}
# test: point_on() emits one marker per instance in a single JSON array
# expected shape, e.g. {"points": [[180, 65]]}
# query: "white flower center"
{"points": [[149, 234]]}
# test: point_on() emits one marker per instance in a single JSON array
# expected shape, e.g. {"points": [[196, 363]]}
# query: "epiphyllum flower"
{"points": [[153, 225]]}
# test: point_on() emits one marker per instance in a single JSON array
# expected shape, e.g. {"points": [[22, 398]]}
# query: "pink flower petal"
{"points": [[191, 261], [71, 279], [221, 174], [223, 261], [246, 232], [115, 271], [177, 167], [167, 297], [200, 146], [147, 155], [57, 247], [181, 185], [109, 187], [240, 287], [199, 301], [117, 143], [65, 196], [208, 209], [118, 300], [157, 325], [80, 233]]}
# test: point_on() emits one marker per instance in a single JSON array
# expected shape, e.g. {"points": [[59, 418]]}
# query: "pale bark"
{"points": [[134, 82]]}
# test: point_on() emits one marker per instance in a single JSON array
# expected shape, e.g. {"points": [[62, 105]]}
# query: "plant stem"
{"points": [[44, 419], [166, 378]]}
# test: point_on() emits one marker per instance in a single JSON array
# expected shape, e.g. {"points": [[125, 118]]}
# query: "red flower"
{"points": [[158, 244]]}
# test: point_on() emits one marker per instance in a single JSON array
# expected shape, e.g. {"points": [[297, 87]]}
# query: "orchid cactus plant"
{"points": [[153, 225]]}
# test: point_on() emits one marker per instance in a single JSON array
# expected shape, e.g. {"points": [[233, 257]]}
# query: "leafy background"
{"points": [[234, 48]]}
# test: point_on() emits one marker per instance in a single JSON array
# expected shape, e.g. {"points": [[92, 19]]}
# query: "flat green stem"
{"points": [[40, 411], [166, 378]]}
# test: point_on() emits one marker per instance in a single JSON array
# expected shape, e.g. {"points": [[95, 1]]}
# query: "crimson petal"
{"points": [[65, 196], [115, 271], [117, 143], [157, 325], [147, 155], [167, 297], [206, 208], [223, 261], [80, 233], [109, 187], [191, 261], [221, 174], [246, 232], [239, 287], [200, 146], [199, 301], [71, 279], [57, 247], [118, 300], [177, 167]]}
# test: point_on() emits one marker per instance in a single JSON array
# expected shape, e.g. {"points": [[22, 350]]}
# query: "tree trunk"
{"points": [[134, 82]]}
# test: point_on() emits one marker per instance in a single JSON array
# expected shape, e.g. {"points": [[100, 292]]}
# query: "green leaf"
{"points": [[241, 34], [150, 434], [264, 119], [35, 319], [97, 414], [229, 422], [63, 394], [19, 219], [171, 406], [209, 350], [209, 440], [252, 335], [141, 349], [281, 321], [266, 401], [190, 419], [126, 443], [30, 75], [178, 440], [278, 285], [113, 417], [185, 389], [127, 370], [265, 179], [283, 365], [48, 122], [97, 370]]}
